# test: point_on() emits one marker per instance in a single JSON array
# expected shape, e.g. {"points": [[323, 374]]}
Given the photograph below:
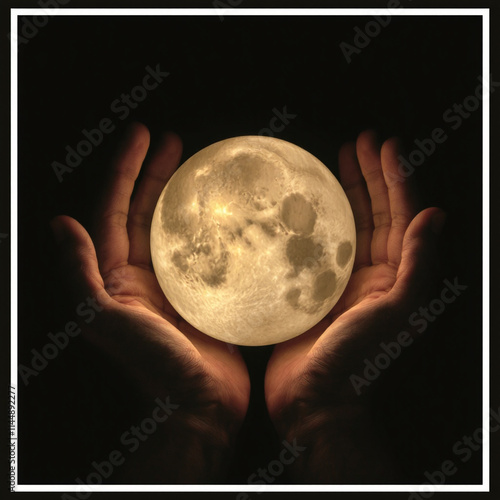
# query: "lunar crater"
{"points": [[344, 253], [298, 214], [324, 285], [303, 252], [253, 240]]}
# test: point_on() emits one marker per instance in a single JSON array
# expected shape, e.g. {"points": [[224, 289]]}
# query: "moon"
{"points": [[253, 240]]}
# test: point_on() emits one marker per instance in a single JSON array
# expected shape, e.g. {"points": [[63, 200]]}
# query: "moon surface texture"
{"points": [[253, 240]]}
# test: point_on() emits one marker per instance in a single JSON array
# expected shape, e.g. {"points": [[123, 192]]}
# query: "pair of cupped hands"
{"points": [[308, 388]]}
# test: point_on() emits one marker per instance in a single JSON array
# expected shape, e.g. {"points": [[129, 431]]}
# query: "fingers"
{"points": [[402, 198], [354, 186], [159, 170], [383, 199], [368, 152], [78, 259], [112, 241], [419, 257]]}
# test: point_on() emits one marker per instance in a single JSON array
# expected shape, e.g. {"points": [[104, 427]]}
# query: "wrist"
{"points": [[185, 447], [342, 444], [345, 446]]}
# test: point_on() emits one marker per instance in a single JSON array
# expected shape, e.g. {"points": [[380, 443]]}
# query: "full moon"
{"points": [[253, 240]]}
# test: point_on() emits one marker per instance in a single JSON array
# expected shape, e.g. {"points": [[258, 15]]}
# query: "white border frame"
{"points": [[237, 488]]}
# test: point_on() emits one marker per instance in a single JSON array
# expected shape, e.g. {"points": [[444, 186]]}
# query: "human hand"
{"points": [[308, 389], [137, 326]]}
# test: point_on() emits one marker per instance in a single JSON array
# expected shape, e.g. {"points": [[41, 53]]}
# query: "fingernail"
{"points": [[57, 230], [437, 222]]}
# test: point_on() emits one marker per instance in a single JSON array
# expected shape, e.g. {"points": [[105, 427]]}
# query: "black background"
{"points": [[226, 78]]}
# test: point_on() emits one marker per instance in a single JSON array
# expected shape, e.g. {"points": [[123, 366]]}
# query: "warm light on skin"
{"points": [[265, 250]]}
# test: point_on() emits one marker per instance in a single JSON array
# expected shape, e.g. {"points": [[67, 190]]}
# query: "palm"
{"points": [[384, 206], [150, 335], [138, 290], [365, 284]]}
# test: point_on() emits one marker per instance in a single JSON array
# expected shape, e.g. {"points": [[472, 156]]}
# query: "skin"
{"points": [[140, 330], [308, 392]]}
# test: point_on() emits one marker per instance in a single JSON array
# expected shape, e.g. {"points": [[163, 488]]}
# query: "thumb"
{"points": [[419, 257], [78, 259]]}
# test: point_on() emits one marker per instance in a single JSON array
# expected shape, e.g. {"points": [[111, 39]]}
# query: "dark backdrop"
{"points": [[227, 76]]}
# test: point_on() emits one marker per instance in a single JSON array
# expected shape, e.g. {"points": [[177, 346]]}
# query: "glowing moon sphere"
{"points": [[253, 240]]}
